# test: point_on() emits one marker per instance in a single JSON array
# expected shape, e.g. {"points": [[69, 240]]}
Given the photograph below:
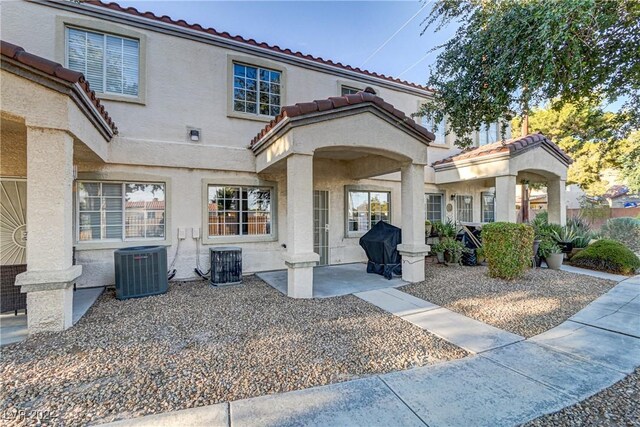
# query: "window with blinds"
{"points": [[109, 63], [117, 211]]}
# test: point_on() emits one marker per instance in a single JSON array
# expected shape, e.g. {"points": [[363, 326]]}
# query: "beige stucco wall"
{"points": [[184, 210], [186, 85]]}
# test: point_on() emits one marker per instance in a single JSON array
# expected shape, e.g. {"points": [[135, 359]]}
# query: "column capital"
{"points": [[33, 281], [301, 260]]}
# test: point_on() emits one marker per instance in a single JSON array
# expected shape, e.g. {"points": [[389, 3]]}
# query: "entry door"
{"points": [[13, 222], [321, 225]]}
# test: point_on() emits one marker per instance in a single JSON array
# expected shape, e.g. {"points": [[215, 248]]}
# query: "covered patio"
{"points": [[532, 159], [335, 280], [371, 138], [51, 120]]}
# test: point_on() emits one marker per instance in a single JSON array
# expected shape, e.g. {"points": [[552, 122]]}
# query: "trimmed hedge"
{"points": [[607, 255], [508, 248]]}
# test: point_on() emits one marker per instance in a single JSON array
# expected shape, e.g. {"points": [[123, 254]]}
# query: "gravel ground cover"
{"points": [[528, 306], [618, 405], [198, 345]]}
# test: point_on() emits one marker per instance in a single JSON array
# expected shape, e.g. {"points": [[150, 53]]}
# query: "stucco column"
{"points": [[50, 274], [300, 257], [413, 249], [556, 201], [506, 198]]}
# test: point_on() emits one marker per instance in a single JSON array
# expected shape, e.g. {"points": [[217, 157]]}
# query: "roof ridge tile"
{"points": [[338, 102], [54, 69]]}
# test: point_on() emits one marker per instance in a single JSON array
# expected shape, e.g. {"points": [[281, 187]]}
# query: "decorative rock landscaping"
{"points": [[613, 406], [537, 302], [198, 345]]}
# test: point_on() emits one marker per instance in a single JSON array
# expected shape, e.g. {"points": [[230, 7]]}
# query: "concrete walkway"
{"points": [[470, 334], [509, 382], [14, 328]]}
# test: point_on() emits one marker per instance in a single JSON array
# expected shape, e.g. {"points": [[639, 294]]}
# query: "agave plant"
{"points": [[567, 234]]}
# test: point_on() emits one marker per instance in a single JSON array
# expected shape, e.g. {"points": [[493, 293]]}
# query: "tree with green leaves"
{"points": [[510, 55], [594, 138]]}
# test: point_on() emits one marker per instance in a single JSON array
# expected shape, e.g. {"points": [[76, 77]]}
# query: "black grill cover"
{"points": [[380, 244]]}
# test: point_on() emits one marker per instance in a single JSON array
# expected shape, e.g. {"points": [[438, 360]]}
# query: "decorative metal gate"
{"points": [[13, 222], [321, 225]]}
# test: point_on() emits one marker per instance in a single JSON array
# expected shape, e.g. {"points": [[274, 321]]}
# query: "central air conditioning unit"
{"points": [[226, 265], [141, 271]]}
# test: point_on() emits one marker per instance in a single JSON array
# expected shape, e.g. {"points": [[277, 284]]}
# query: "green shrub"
{"points": [[625, 230], [607, 255], [508, 248]]}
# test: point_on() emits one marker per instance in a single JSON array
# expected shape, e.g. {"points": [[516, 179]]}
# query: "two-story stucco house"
{"points": [[121, 128]]}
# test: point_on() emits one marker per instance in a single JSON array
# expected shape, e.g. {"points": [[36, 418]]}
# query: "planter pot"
{"points": [[566, 247], [427, 230], [440, 256], [536, 259], [554, 261]]}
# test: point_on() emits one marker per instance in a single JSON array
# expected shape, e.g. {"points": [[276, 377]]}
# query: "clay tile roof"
{"points": [[226, 35], [336, 103], [54, 69], [616, 191], [509, 146]]}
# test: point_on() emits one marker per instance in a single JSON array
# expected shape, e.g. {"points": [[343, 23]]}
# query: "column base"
{"points": [[49, 298], [413, 262], [300, 274]]}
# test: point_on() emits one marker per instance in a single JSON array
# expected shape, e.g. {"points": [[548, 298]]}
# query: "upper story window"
{"points": [[109, 63], [116, 211], [256, 90], [366, 208], [440, 130], [347, 90], [488, 134]]}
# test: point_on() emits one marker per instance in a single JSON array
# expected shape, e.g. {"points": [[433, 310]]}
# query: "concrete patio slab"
{"points": [[617, 351], [396, 302], [473, 392], [462, 331], [365, 402], [14, 328], [577, 377], [205, 416], [587, 272], [335, 280], [617, 320]]}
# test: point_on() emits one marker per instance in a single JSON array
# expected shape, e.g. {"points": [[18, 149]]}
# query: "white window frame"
{"points": [[441, 133], [123, 238], [482, 205], [350, 88], [104, 60], [369, 190], [442, 204], [258, 91], [246, 238]]}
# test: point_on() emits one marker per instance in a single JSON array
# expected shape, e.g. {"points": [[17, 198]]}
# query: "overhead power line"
{"points": [[394, 34]]}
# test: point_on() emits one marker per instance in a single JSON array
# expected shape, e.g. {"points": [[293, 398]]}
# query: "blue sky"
{"points": [[344, 31]]}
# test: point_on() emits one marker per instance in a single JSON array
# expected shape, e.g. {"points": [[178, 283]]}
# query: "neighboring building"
{"points": [[210, 140]]}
